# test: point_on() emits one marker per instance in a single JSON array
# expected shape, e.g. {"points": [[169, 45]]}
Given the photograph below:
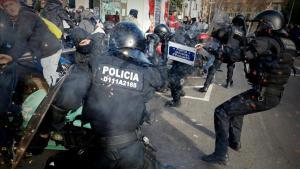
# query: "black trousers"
{"points": [[228, 117], [8, 82], [176, 73], [212, 71], [230, 69], [132, 156]]}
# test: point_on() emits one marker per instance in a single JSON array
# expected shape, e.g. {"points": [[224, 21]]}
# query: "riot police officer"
{"points": [[113, 90], [178, 70], [232, 39], [164, 34], [269, 57]]}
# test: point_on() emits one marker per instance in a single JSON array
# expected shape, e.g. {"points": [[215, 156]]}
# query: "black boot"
{"points": [[203, 89], [229, 83], [216, 159], [173, 103], [182, 93], [235, 145]]}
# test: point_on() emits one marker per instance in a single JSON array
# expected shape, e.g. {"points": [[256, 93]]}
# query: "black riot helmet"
{"points": [[129, 42], [240, 26], [239, 20], [163, 31], [269, 19], [127, 35]]}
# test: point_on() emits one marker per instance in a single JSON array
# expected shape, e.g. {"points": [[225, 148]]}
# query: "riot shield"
{"points": [[36, 121], [195, 29], [179, 35], [220, 20]]}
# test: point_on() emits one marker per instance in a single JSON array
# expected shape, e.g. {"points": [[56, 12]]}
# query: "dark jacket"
{"points": [[113, 93], [54, 12], [270, 62], [5, 41], [97, 45], [26, 7], [30, 34], [86, 21]]}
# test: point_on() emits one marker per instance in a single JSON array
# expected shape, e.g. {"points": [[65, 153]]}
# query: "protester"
{"points": [[54, 12]]}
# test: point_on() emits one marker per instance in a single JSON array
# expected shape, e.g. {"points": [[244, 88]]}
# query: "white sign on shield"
{"points": [[181, 53]]}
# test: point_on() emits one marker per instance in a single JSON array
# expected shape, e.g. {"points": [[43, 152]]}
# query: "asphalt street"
{"points": [[270, 140]]}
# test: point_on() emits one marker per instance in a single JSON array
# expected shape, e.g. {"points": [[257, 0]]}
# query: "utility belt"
{"points": [[79, 137], [264, 92], [119, 140]]}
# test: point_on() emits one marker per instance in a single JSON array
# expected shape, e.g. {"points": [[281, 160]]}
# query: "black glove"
{"points": [[152, 41], [249, 53], [153, 38], [169, 37]]}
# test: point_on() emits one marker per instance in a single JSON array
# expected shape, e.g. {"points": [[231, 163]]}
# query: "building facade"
{"points": [[205, 8], [248, 7], [159, 9], [192, 8]]}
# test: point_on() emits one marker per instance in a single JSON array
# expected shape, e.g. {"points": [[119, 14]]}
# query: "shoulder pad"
{"points": [[288, 44]]}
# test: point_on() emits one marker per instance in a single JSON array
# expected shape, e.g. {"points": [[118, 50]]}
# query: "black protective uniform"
{"points": [[113, 90], [178, 70], [231, 40], [270, 60], [161, 35]]}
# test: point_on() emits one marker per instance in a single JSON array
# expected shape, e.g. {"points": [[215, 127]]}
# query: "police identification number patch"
{"points": [[125, 78]]}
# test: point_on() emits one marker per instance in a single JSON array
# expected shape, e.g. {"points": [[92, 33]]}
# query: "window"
{"points": [[71, 3], [91, 4]]}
